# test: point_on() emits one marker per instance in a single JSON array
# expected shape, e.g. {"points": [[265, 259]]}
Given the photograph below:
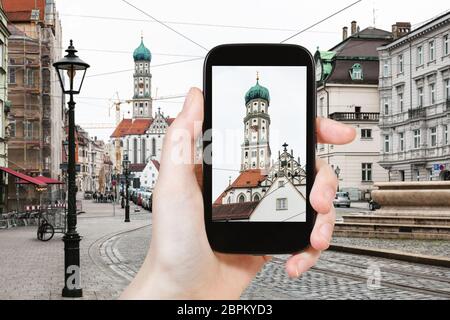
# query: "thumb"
{"points": [[178, 154]]}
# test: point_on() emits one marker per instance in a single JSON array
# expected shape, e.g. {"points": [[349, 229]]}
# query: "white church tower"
{"points": [[142, 101], [256, 149]]}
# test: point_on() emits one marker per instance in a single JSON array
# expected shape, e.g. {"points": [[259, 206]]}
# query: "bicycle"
{"points": [[45, 231]]}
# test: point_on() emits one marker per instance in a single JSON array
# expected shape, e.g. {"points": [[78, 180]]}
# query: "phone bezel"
{"points": [[260, 237]]}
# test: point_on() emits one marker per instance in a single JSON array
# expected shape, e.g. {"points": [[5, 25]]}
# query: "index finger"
{"points": [[332, 132]]}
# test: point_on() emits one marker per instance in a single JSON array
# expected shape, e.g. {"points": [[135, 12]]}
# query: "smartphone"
{"points": [[259, 148]]}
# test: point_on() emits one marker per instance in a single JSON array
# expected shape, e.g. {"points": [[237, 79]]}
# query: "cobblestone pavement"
{"points": [[112, 252], [31, 269], [336, 276]]}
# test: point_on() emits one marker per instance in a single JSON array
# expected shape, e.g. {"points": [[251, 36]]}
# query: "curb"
{"points": [[392, 254]]}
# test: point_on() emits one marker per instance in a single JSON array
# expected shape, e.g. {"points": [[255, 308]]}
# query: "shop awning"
{"points": [[43, 179], [24, 177]]}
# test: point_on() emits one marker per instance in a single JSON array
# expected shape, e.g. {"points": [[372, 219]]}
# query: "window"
{"points": [[11, 75], [135, 147], [143, 151], [432, 93], [256, 197], [419, 56], [321, 106], [386, 68], [356, 72], [366, 133], [366, 172], [280, 184], [430, 174], [153, 147], [416, 138], [417, 174], [241, 198], [386, 106], [445, 135], [254, 154], [432, 51], [386, 143], [401, 143], [282, 204], [433, 137], [400, 63], [402, 175], [447, 89], [28, 129], [400, 101], [419, 97], [30, 77], [12, 128], [446, 46]]}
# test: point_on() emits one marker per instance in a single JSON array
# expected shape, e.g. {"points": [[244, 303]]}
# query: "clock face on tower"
{"points": [[319, 70]]}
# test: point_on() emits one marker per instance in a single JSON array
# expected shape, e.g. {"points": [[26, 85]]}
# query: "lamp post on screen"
{"points": [[71, 71], [126, 167]]}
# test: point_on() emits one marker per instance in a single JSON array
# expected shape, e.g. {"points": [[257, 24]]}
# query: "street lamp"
{"points": [[337, 171], [126, 168], [71, 71]]}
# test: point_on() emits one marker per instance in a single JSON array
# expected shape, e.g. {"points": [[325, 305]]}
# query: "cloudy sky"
{"points": [[107, 31], [287, 110]]}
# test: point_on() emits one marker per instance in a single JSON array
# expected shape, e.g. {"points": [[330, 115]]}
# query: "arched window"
{"points": [[229, 200], [153, 147], [143, 151], [356, 72], [256, 197], [241, 198], [135, 147]]}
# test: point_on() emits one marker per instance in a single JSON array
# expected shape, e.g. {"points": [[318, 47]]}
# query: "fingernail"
{"points": [[326, 231], [300, 268]]}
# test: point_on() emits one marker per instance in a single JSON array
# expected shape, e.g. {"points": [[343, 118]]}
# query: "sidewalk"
{"points": [[31, 269]]}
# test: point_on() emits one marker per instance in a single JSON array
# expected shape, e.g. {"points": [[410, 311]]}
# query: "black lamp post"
{"points": [[71, 72], [337, 171], [126, 168]]}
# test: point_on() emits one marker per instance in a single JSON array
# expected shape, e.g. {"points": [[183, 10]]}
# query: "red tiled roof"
{"points": [[139, 126], [20, 10], [123, 127], [249, 178], [137, 167], [156, 164], [235, 211], [134, 127]]}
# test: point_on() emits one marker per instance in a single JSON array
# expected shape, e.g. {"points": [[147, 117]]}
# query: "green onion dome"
{"points": [[142, 53], [257, 92]]}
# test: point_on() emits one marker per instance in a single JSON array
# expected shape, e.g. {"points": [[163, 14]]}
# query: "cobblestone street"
{"points": [[112, 252]]}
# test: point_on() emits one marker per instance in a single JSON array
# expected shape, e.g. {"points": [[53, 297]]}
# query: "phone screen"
{"points": [[259, 121]]}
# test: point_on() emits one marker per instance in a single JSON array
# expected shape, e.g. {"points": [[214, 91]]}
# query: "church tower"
{"points": [[142, 100], [256, 149]]}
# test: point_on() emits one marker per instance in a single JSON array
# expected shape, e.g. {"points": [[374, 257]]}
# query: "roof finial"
{"points": [[142, 36], [257, 76]]}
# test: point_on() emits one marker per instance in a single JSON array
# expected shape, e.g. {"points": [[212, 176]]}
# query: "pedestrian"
{"points": [[190, 269]]}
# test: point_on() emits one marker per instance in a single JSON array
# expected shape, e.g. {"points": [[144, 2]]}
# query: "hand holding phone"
{"points": [[180, 263]]}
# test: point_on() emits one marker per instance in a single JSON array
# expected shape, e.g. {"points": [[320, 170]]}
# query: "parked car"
{"points": [[373, 205], [146, 200], [342, 199], [88, 195]]}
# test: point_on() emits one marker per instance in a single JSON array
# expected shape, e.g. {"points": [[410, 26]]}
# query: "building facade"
{"points": [[415, 103], [347, 91], [265, 190], [37, 118], [5, 106], [141, 137]]}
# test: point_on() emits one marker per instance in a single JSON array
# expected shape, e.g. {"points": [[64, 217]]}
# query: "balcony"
{"points": [[417, 113], [356, 116]]}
